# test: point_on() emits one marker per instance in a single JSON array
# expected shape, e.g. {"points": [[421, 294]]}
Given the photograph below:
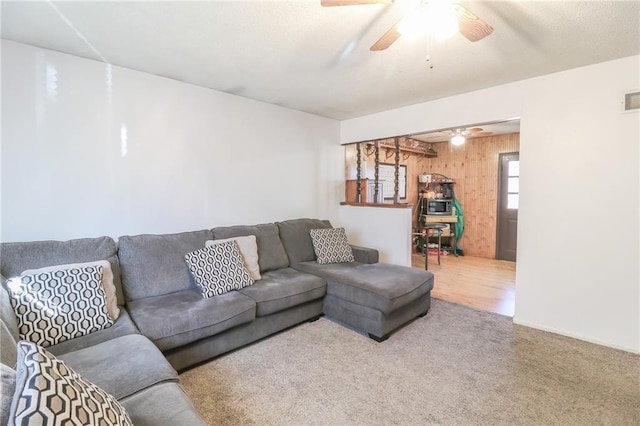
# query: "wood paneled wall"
{"points": [[474, 167]]}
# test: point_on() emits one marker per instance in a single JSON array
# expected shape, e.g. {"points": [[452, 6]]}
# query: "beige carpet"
{"points": [[455, 366]]}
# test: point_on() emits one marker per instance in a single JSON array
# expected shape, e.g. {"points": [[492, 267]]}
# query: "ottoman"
{"points": [[375, 298]]}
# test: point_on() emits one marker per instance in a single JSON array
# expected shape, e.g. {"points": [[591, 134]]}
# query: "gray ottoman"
{"points": [[376, 298]]}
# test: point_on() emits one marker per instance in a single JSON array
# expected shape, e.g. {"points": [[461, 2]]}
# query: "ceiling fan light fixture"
{"points": [[457, 140], [436, 17], [412, 26], [441, 19]]}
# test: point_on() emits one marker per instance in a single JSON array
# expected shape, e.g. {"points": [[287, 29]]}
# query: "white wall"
{"points": [[577, 270], [190, 157], [386, 229], [469, 108], [580, 152]]}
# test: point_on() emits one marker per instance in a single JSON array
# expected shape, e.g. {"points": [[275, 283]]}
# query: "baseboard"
{"points": [[573, 336]]}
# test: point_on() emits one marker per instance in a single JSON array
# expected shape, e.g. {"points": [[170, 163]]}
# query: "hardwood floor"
{"points": [[485, 284]]}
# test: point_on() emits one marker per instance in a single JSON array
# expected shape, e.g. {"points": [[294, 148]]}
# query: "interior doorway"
{"points": [[508, 201]]}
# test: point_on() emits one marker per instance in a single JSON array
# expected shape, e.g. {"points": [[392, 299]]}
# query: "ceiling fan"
{"points": [[458, 136], [468, 24], [477, 132]]}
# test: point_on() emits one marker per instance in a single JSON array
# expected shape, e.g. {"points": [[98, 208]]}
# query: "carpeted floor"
{"points": [[455, 366]]}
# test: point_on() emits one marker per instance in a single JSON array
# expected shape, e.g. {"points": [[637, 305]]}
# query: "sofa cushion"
{"points": [[122, 366], [218, 268], [107, 282], [50, 392], [271, 253], [18, 257], [8, 353], [249, 250], [283, 289], [59, 305], [296, 239], [364, 254], [7, 388], [7, 314], [177, 319], [381, 286], [165, 404], [153, 265], [123, 326], [331, 245]]}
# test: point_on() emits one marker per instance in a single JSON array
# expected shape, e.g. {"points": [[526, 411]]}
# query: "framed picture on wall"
{"points": [[386, 172]]}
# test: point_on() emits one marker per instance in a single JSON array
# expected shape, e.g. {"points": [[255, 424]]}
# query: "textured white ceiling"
{"points": [[306, 57]]}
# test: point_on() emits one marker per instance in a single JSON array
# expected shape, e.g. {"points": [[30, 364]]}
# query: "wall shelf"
{"points": [[427, 152]]}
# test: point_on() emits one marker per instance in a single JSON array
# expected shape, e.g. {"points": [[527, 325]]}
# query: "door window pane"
{"points": [[513, 185], [514, 168], [512, 201]]}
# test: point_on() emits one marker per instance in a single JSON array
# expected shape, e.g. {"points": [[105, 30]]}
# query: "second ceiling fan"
{"points": [[468, 24]]}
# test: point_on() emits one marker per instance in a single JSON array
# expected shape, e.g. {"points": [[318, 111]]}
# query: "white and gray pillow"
{"points": [[49, 392], [248, 249], [107, 282], [331, 245], [56, 306], [218, 269]]}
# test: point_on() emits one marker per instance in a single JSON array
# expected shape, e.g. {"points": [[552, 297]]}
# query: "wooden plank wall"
{"points": [[474, 167]]}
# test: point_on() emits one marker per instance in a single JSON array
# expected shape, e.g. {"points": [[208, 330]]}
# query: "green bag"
{"points": [[458, 227]]}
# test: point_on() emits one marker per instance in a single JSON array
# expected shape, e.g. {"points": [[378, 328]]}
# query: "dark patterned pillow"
{"points": [[218, 269], [331, 245], [49, 392], [56, 306]]}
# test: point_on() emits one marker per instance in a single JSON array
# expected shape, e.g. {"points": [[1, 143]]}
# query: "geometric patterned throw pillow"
{"points": [[107, 282], [218, 269], [331, 245], [56, 306], [248, 249], [48, 392]]}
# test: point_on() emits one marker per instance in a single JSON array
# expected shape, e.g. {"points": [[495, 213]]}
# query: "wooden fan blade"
{"points": [[387, 38], [331, 3], [470, 25], [480, 134], [474, 130]]}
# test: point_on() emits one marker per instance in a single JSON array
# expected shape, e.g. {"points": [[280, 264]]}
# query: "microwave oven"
{"points": [[440, 206]]}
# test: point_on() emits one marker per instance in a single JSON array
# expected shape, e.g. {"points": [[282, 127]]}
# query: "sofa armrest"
{"points": [[364, 254]]}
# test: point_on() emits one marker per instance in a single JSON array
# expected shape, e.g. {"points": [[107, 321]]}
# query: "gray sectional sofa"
{"points": [[166, 325], [118, 359]]}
